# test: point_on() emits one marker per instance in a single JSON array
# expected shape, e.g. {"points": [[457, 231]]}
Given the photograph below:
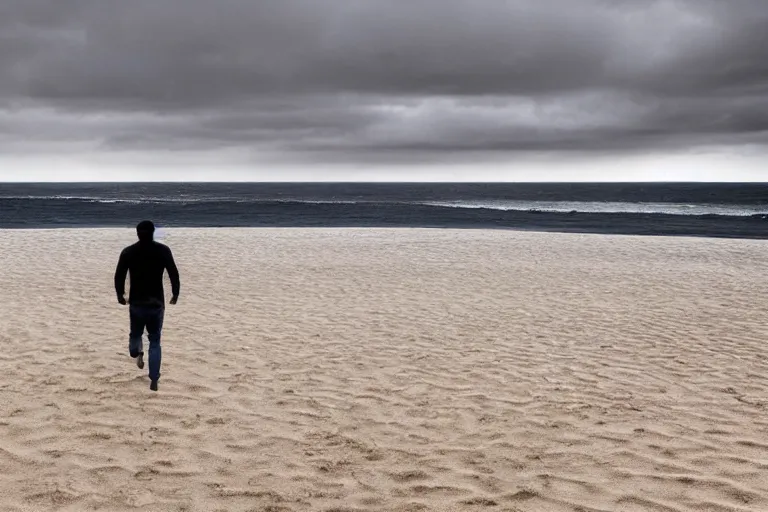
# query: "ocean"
{"points": [[684, 209]]}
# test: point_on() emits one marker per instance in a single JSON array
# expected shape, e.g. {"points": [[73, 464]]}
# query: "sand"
{"points": [[389, 370]]}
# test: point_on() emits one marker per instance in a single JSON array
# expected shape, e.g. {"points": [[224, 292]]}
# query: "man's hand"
{"points": [[122, 300], [174, 300]]}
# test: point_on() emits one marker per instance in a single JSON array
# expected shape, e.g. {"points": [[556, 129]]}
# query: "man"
{"points": [[146, 260]]}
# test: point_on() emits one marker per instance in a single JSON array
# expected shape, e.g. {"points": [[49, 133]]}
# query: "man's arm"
{"points": [[121, 272], [173, 273]]}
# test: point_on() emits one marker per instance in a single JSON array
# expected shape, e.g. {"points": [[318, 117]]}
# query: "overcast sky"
{"points": [[503, 90]]}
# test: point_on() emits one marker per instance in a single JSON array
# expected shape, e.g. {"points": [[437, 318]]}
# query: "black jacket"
{"points": [[146, 261]]}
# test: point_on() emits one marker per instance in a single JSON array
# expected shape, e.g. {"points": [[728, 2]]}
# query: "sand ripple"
{"points": [[389, 370]]}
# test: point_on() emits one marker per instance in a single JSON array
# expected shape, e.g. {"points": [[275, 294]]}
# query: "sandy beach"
{"points": [[389, 370]]}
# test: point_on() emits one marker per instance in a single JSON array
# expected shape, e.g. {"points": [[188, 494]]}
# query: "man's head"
{"points": [[146, 230]]}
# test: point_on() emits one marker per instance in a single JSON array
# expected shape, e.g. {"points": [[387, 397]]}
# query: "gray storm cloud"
{"points": [[332, 78]]}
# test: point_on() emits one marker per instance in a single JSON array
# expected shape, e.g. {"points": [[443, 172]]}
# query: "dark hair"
{"points": [[145, 229]]}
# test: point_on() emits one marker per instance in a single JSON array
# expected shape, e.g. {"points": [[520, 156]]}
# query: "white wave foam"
{"points": [[502, 205], [608, 207]]}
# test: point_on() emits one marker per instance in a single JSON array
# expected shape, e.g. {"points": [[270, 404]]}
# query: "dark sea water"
{"points": [[722, 210]]}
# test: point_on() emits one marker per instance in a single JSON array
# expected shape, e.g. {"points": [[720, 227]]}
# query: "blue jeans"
{"points": [[151, 318]]}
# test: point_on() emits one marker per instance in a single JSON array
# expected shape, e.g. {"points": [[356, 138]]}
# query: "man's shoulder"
{"points": [[162, 247], [141, 249], [128, 250], [160, 250]]}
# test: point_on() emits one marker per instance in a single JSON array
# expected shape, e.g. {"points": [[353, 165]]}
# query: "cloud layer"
{"points": [[347, 80]]}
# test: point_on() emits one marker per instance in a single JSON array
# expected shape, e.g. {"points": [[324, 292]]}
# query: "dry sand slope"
{"points": [[389, 370]]}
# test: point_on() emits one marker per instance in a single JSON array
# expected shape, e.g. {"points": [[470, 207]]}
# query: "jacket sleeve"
{"points": [[121, 272], [173, 272]]}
